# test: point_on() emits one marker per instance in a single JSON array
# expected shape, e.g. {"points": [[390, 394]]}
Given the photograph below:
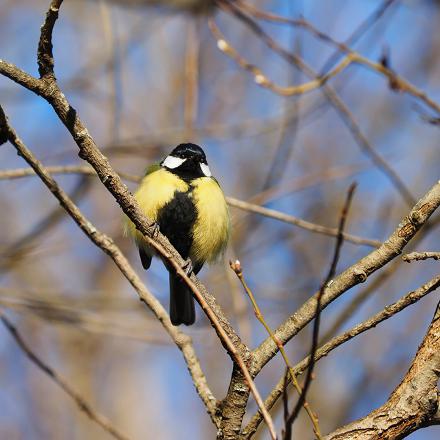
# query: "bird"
{"points": [[188, 206]]}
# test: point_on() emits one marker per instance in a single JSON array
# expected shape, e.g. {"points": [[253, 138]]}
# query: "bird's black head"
{"points": [[188, 161]]}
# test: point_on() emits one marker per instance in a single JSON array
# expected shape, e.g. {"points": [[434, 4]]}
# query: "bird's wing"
{"points": [[152, 168]]}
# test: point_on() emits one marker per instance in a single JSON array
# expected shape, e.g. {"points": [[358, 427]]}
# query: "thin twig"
{"points": [[330, 275], [236, 267], [109, 247], [79, 400], [232, 201], [304, 224], [417, 256], [285, 401], [331, 95], [389, 311]]}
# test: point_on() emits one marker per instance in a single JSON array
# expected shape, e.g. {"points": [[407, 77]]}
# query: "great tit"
{"points": [[188, 205]]}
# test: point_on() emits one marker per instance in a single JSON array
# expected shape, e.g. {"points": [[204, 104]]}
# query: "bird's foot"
{"points": [[187, 266], [153, 230]]}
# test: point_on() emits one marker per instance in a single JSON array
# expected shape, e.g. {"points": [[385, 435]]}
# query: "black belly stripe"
{"points": [[176, 220]]}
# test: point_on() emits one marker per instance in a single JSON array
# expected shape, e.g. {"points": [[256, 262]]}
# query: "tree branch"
{"points": [[417, 256], [355, 274], [232, 201], [108, 246], [82, 404], [412, 405], [91, 153], [389, 311]]}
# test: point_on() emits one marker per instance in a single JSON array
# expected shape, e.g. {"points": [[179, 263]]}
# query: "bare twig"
{"points": [[412, 405], [236, 267], [330, 275], [417, 256], [79, 400], [331, 95], [355, 274], [108, 246], [287, 218], [232, 201], [389, 311]]}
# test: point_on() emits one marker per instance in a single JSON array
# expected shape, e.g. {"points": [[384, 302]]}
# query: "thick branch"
{"points": [[232, 201], [355, 274], [389, 311], [108, 246], [79, 400], [45, 55], [412, 405]]}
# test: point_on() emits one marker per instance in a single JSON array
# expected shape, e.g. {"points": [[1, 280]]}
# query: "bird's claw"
{"points": [[187, 266], [154, 230]]}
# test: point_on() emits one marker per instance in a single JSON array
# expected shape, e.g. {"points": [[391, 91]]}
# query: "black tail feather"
{"points": [[145, 259], [182, 310]]}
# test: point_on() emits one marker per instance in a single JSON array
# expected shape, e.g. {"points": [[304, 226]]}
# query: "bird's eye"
{"points": [[205, 170], [172, 162]]}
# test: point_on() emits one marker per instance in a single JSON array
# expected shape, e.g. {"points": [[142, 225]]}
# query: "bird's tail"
{"points": [[182, 309]]}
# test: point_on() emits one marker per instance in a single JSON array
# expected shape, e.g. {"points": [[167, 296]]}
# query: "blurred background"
{"points": [[145, 77]]}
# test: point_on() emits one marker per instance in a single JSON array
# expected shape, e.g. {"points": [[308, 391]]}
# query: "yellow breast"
{"points": [[155, 190], [211, 230]]}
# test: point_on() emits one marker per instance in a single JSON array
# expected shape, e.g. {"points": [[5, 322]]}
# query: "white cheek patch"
{"points": [[172, 162], [205, 170]]}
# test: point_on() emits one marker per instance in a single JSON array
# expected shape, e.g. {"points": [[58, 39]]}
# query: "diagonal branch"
{"points": [[315, 335], [104, 242], [389, 311], [412, 405], [331, 95], [232, 201], [82, 404], [355, 274]]}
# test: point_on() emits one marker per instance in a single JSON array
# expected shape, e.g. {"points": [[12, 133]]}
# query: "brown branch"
{"points": [[44, 53], [236, 267], [412, 405], [232, 201], [315, 335], [389, 311], [108, 246], [82, 404], [417, 256], [91, 153], [331, 95], [304, 224], [355, 274]]}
